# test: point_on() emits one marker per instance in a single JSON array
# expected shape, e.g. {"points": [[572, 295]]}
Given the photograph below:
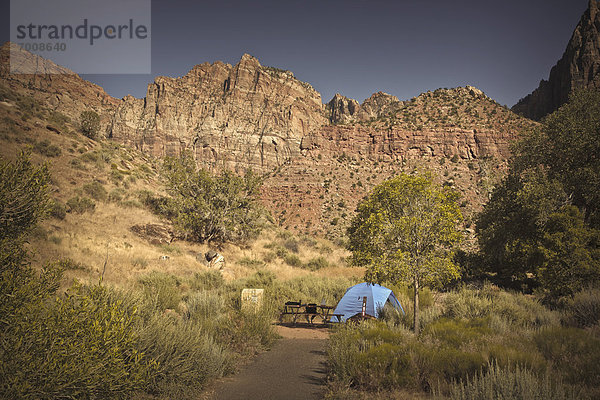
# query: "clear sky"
{"points": [[358, 47]]}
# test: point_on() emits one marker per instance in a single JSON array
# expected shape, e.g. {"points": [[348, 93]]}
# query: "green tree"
{"points": [[512, 223], [89, 123], [212, 208], [554, 166], [570, 254], [405, 230]]}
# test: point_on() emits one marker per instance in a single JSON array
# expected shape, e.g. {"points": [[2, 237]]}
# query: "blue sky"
{"points": [[358, 47]]}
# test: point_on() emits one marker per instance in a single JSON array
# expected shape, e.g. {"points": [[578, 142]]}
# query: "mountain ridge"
{"points": [[579, 67]]}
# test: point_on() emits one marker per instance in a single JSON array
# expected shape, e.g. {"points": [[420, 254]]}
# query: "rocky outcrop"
{"points": [[244, 115], [342, 110], [378, 105], [579, 67], [55, 87]]}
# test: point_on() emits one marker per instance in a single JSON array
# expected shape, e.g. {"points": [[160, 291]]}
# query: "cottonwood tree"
{"points": [[406, 230]]}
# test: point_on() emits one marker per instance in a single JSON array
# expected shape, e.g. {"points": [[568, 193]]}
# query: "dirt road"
{"points": [[293, 369]]}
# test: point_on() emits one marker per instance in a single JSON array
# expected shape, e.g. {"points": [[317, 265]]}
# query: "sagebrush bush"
{"points": [[317, 263], [96, 191], [47, 149], [57, 209], [185, 355], [515, 308], [206, 280], [80, 205], [161, 290], [509, 383], [583, 310]]}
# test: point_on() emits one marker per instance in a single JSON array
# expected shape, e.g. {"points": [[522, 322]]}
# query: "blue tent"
{"points": [[377, 296]]}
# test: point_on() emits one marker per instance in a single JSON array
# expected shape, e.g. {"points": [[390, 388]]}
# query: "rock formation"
{"points": [[244, 115], [579, 67]]}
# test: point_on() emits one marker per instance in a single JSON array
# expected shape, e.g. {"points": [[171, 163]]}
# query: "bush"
{"points": [[293, 260], [583, 310], [89, 124], [185, 356], [509, 383], [514, 308], [317, 263], [81, 346], [161, 290], [292, 245], [57, 209], [207, 280], [46, 148], [80, 205], [96, 191]]}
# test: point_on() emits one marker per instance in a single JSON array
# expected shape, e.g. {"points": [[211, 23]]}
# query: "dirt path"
{"points": [[293, 369]]}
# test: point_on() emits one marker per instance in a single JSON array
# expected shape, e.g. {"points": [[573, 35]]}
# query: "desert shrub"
{"points": [[117, 195], [58, 119], [574, 352], [67, 264], [24, 197], [80, 346], [47, 149], [76, 163], [509, 383], [385, 366], [161, 290], [96, 191], [57, 209], [269, 257], [457, 333], [89, 123], [186, 357], [583, 309], [293, 260], [291, 244], [515, 308], [80, 205], [204, 305], [207, 280], [317, 263], [247, 331]]}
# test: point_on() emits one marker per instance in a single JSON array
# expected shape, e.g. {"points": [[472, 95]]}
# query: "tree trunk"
{"points": [[416, 308]]}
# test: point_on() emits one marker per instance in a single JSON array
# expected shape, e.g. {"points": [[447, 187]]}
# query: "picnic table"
{"points": [[310, 311]]}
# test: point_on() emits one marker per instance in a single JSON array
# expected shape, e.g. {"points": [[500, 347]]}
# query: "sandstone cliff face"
{"points": [[579, 67], [399, 144], [245, 115]]}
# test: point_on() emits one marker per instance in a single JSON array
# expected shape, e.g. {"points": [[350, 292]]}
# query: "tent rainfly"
{"points": [[376, 295]]}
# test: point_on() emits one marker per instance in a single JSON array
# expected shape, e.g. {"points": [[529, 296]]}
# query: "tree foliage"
{"points": [[405, 231], [89, 123], [528, 224], [212, 208]]}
